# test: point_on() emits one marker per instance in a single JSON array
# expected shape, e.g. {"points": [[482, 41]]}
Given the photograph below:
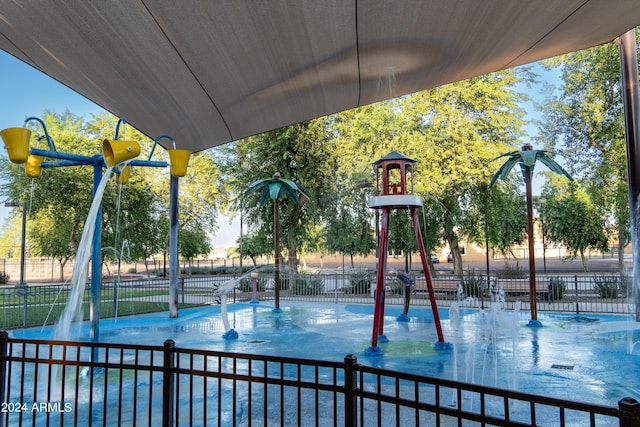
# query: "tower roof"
{"points": [[394, 155]]}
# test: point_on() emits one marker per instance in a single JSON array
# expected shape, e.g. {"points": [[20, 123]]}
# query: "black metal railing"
{"points": [[72, 383], [37, 305]]}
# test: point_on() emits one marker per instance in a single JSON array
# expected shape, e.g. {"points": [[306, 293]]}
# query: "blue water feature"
{"points": [[588, 358]]}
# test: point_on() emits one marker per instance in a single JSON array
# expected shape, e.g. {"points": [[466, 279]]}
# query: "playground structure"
{"points": [[118, 155], [394, 190], [220, 293]]}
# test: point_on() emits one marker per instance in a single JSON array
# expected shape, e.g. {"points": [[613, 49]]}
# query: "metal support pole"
{"points": [[276, 255], [96, 261], [174, 267], [629, 75], [4, 337], [575, 283], [23, 248], [629, 412], [532, 256], [23, 251], [168, 398], [350, 387]]}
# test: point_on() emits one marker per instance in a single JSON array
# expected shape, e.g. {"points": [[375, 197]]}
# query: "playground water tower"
{"points": [[394, 190]]}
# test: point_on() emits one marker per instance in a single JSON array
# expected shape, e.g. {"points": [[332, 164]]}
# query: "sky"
{"points": [[26, 92]]}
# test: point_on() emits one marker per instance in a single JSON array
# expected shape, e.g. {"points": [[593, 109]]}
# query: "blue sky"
{"points": [[26, 92]]}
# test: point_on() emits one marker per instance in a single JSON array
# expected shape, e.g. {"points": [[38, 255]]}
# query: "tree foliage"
{"points": [[302, 153], [585, 122], [349, 230], [455, 131], [571, 220], [498, 219]]}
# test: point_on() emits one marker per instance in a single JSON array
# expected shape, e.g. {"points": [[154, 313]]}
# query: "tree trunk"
{"points": [[585, 266], [457, 257], [62, 262]]}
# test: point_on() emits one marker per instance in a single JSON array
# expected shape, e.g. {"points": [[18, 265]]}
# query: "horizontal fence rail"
{"points": [[37, 305], [72, 383]]}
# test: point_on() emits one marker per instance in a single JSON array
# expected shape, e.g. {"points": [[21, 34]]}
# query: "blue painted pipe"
{"points": [[85, 160], [52, 146]]}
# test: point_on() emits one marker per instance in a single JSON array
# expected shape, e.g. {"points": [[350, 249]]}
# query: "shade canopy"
{"points": [[209, 72]]}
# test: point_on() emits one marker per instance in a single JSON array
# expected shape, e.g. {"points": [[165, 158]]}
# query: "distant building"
{"points": [[217, 253]]}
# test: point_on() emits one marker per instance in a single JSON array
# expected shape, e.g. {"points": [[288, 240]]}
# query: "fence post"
{"points": [[350, 386], [575, 282], [182, 288], [115, 298], [4, 337], [167, 384], [629, 412]]}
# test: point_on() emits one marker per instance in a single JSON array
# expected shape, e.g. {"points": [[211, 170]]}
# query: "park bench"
{"points": [[519, 287], [511, 287]]}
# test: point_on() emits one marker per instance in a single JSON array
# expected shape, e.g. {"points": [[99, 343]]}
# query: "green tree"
{"points": [[301, 153], [454, 131], [193, 243], [135, 226], [584, 121], [572, 220], [348, 229], [10, 235], [254, 245], [497, 232], [52, 237]]}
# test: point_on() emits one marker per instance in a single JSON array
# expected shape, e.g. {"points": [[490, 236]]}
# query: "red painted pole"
{"points": [[378, 313], [427, 274]]}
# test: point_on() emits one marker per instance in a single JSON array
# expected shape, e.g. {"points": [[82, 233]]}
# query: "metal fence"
{"points": [[71, 383], [596, 293], [37, 305]]}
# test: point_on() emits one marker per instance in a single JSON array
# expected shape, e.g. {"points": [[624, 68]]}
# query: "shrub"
{"points": [[611, 285], [394, 286], [510, 272], [245, 284], [558, 288], [308, 285], [4, 278], [360, 283], [473, 285]]}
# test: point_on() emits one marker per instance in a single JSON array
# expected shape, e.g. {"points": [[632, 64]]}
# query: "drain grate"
{"points": [[563, 367], [257, 341]]}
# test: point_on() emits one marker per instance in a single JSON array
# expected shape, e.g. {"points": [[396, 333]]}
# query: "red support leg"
{"points": [[383, 246], [427, 274]]}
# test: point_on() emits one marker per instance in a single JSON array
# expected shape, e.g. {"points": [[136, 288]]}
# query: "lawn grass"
{"points": [[37, 315]]}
